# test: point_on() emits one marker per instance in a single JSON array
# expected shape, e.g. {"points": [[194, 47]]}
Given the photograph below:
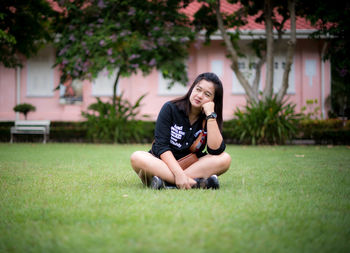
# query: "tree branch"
{"points": [[233, 54], [290, 51], [115, 88], [268, 90], [258, 74]]}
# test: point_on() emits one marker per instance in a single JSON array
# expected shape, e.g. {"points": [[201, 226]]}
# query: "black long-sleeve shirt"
{"points": [[174, 133]]}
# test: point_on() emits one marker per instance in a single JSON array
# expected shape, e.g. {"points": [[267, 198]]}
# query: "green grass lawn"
{"points": [[86, 198]]}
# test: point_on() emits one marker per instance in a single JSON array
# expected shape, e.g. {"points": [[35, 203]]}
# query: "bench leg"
{"points": [[11, 140]]}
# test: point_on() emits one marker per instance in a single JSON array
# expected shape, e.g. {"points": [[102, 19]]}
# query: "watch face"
{"points": [[213, 115]]}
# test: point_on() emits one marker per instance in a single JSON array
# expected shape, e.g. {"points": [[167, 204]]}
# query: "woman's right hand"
{"points": [[184, 182]]}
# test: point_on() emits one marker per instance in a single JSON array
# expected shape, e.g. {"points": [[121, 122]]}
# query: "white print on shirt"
{"points": [[176, 135], [197, 133]]}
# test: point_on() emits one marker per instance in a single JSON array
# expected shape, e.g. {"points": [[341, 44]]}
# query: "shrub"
{"points": [[24, 108], [311, 110], [267, 122], [68, 132], [106, 123], [229, 131], [328, 131], [308, 127]]}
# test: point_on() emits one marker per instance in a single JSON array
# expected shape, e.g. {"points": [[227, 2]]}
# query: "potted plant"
{"points": [[24, 108]]}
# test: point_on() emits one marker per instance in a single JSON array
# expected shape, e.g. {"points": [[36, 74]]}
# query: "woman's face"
{"points": [[203, 92]]}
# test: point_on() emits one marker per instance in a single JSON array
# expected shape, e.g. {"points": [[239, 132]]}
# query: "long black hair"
{"points": [[184, 104]]}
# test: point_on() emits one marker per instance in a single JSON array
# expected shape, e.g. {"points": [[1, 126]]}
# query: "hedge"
{"points": [[330, 131], [59, 132], [70, 132]]}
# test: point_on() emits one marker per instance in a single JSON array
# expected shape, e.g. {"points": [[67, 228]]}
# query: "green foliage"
{"points": [[321, 131], [24, 108], [333, 24], [328, 131], [311, 110], [65, 131], [77, 132], [205, 20], [230, 132], [24, 29], [340, 89], [267, 122], [106, 123], [322, 124], [122, 35]]}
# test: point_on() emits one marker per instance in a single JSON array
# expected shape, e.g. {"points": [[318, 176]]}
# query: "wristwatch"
{"points": [[213, 115]]}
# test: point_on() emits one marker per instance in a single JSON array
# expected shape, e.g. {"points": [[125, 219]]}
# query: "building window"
{"points": [[241, 65], [217, 67], [164, 90], [104, 83], [248, 67], [310, 70], [71, 92], [40, 74], [278, 75], [249, 73]]}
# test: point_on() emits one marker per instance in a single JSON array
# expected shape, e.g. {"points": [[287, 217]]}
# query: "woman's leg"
{"points": [[209, 165], [146, 165]]}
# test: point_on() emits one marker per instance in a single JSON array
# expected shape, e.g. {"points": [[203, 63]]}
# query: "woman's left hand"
{"points": [[208, 107]]}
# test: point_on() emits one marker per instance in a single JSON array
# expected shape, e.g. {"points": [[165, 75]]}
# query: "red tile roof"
{"points": [[192, 8], [301, 23]]}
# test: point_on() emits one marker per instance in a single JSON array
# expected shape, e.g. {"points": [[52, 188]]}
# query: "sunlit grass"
{"points": [[86, 198]]}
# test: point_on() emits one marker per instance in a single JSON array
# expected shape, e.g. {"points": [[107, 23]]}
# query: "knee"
{"points": [[225, 161], [135, 159]]}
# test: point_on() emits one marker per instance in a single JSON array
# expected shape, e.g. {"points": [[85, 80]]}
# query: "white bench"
{"points": [[31, 127]]}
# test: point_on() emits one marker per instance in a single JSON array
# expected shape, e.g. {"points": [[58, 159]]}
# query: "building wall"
{"points": [[310, 80], [7, 93]]}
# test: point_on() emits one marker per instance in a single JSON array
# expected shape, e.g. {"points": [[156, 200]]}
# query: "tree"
{"points": [[24, 28], [126, 36], [333, 20], [273, 14], [24, 108]]}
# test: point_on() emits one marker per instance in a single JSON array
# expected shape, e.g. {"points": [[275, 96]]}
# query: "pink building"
{"points": [[35, 83]]}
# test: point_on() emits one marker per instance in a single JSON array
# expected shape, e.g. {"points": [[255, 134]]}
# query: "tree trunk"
{"points": [[290, 51], [252, 96], [268, 90], [115, 88], [258, 75], [252, 90]]}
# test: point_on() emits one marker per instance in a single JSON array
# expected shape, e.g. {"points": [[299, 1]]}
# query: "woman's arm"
{"points": [[181, 180], [214, 137]]}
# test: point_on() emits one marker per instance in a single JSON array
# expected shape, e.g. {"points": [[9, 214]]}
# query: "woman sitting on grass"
{"points": [[179, 123]]}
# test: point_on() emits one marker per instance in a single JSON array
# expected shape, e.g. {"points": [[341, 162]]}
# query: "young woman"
{"points": [[177, 126]]}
